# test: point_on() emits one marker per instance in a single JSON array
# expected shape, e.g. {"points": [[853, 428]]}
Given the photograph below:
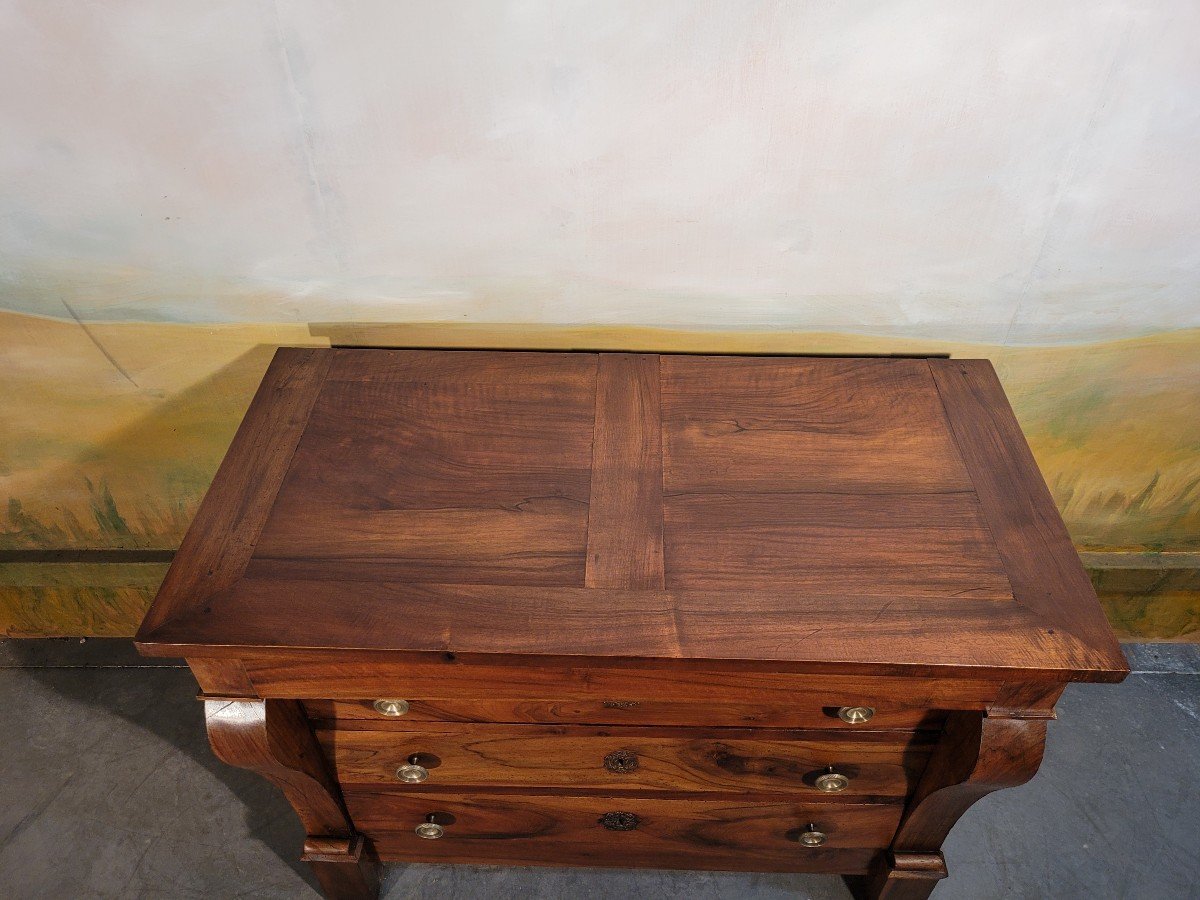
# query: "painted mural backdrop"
{"points": [[185, 186]]}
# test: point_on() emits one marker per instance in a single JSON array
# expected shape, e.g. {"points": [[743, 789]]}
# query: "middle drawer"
{"points": [[871, 764]]}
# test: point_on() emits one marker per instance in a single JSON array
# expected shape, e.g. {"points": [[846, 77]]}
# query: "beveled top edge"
{"points": [[656, 627], [985, 429]]}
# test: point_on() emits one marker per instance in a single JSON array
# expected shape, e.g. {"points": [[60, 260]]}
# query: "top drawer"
{"points": [[550, 692], [807, 711]]}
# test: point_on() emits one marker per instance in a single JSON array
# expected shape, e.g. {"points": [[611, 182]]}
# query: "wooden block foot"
{"points": [[900, 876], [347, 868]]}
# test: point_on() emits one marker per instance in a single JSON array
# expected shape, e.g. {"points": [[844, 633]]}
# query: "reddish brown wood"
{"points": [[537, 829], [1032, 700], [914, 545], [222, 677], [900, 876], [273, 738], [448, 467], [693, 629], [301, 675], [555, 557], [788, 426], [858, 510], [978, 754], [346, 868], [1046, 573], [218, 545], [576, 758], [804, 709], [607, 852], [625, 512]]}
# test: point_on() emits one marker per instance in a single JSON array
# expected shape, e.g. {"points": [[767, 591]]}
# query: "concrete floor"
{"points": [[109, 790]]}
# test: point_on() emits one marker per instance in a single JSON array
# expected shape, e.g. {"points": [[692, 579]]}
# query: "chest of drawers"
{"points": [[745, 613]]}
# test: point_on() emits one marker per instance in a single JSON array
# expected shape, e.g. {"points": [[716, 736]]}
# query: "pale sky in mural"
{"points": [[975, 171]]}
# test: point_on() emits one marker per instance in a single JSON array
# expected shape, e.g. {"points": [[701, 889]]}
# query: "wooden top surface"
{"points": [[803, 514]]}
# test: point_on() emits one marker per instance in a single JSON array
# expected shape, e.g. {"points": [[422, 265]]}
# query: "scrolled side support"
{"points": [[978, 753], [274, 739]]}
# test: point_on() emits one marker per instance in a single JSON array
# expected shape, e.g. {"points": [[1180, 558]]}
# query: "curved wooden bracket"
{"points": [[273, 738], [977, 754]]}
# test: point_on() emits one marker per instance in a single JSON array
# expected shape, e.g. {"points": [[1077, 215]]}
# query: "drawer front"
{"points": [[302, 675], [802, 711], [620, 831], [635, 759]]}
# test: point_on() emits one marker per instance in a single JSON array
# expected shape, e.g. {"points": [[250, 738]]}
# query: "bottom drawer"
{"points": [[624, 831]]}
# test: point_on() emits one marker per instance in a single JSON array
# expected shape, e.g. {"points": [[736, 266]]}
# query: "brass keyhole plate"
{"points": [[619, 821], [621, 761]]}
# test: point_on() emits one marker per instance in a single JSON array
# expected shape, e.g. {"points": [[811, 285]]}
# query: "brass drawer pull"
{"points": [[620, 821], [391, 708], [412, 772], [856, 715], [832, 782], [812, 837], [429, 829], [621, 761]]}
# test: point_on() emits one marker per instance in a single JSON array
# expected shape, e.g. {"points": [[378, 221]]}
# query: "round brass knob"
{"points": [[832, 782], [391, 708], [812, 837], [412, 772], [856, 715], [429, 829]]}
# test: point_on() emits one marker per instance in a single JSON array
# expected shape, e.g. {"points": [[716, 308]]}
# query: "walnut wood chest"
{"points": [[750, 613]]}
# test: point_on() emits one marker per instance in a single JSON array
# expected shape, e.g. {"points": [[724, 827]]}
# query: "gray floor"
{"points": [[109, 790]]}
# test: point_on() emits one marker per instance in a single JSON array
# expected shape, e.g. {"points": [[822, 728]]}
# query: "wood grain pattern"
{"points": [[222, 677], [694, 561], [914, 545], [781, 425], [900, 876], [468, 467], [802, 709], [272, 738], [625, 524], [978, 754], [301, 675], [446, 498], [698, 834], [663, 760], [794, 631], [1045, 571], [541, 543], [221, 539], [1032, 700], [346, 868]]}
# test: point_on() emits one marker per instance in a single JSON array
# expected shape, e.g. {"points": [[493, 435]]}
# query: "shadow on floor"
{"points": [[110, 790], [159, 697]]}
